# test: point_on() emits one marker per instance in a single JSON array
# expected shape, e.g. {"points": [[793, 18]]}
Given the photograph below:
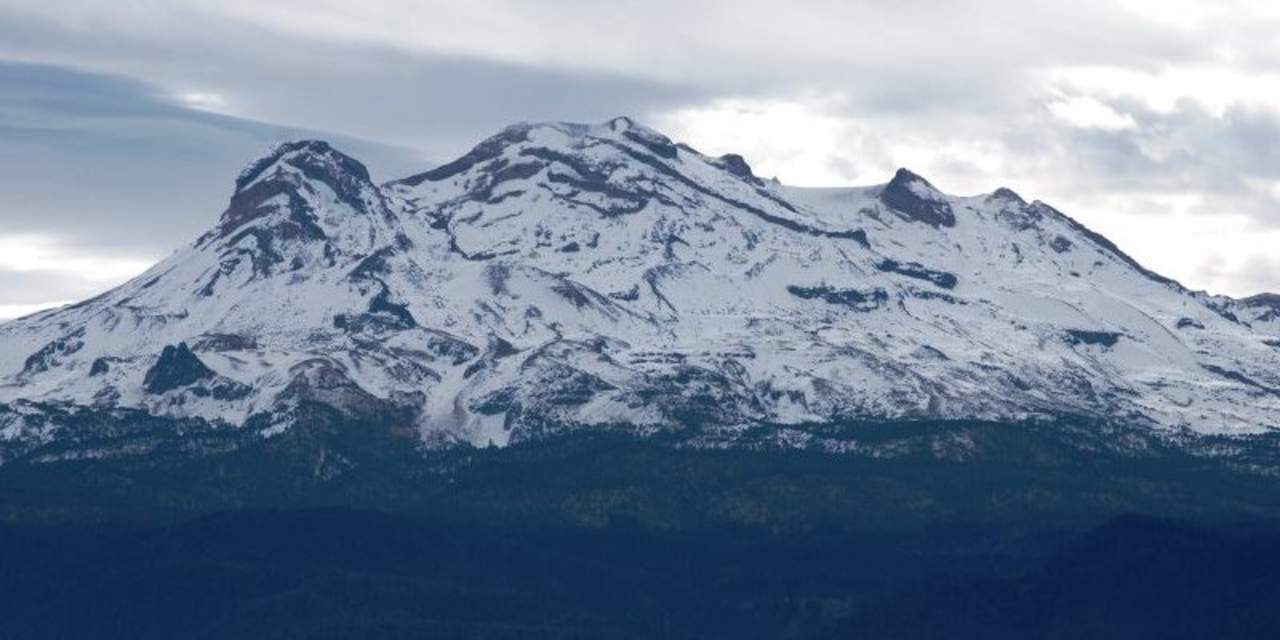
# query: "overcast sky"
{"points": [[1157, 123]]}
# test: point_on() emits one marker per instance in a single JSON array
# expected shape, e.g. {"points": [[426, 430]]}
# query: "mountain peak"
{"points": [[917, 200], [293, 171], [620, 123], [563, 136], [1008, 195], [904, 175], [314, 158]]}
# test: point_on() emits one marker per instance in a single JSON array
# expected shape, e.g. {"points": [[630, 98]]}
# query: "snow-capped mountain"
{"points": [[567, 276]]}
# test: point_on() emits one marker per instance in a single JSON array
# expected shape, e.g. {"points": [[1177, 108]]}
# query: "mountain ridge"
{"points": [[569, 276]]}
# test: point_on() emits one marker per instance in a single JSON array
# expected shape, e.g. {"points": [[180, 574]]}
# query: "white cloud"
{"points": [[1090, 113], [796, 141], [1214, 87], [811, 140], [46, 253], [204, 100], [9, 311]]}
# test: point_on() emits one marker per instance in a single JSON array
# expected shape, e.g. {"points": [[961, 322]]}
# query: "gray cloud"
{"points": [[963, 91], [42, 286], [101, 161], [1187, 150], [436, 103]]}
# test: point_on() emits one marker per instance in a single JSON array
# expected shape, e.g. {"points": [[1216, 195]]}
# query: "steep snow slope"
{"points": [[565, 276]]}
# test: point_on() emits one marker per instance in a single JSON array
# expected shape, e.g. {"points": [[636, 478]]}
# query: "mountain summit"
{"points": [[570, 276]]}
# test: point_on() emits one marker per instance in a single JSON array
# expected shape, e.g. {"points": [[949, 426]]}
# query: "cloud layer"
{"points": [[1155, 123]]}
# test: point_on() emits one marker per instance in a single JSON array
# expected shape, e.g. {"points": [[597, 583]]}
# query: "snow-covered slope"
{"points": [[565, 276]]}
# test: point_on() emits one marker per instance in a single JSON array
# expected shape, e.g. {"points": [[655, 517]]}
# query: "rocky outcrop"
{"points": [[176, 367]]}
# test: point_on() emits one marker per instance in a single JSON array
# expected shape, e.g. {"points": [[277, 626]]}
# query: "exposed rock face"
{"points": [[1008, 195], [176, 367], [569, 276], [736, 165], [1264, 307], [915, 199]]}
